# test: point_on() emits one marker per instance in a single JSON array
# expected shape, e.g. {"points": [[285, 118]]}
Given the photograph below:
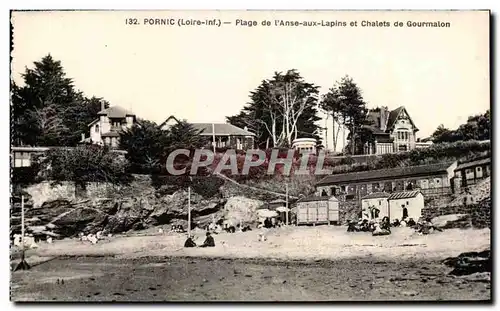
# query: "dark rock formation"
{"points": [[470, 262]]}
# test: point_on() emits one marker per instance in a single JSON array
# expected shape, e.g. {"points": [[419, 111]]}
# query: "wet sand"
{"points": [[205, 279]]}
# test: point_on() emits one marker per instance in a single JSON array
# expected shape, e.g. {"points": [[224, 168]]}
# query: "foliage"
{"points": [[85, 164], [347, 107], [148, 145], [477, 127], [144, 143], [281, 109], [47, 110]]}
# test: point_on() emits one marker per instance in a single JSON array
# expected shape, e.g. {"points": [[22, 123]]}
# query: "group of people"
{"points": [[405, 222], [209, 241]]}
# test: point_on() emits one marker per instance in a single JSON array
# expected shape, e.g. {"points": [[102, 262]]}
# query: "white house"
{"points": [[375, 205], [407, 204], [105, 130]]}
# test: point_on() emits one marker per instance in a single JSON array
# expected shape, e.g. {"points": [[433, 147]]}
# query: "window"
{"points": [[97, 128], [342, 188], [379, 202], [478, 169], [407, 203]]}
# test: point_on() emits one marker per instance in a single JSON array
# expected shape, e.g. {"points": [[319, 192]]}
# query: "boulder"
{"points": [[129, 212], [450, 221], [241, 209], [175, 206], [470, 262], [75, 221]]}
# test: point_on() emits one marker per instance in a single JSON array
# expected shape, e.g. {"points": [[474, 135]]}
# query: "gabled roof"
{"points": [[403, 195], [316, 198], [473, 163], [376, 195], [168, 119], [115, 112], [93, 122], [393, 117], [221, 129], [374, 175]]}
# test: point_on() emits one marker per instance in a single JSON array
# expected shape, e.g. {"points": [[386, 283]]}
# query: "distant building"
{"points": [[393, 131], [470, 172], [23, 156], [223, 135], [405, 205], [431, 179], [305, 145], [105, 130]]}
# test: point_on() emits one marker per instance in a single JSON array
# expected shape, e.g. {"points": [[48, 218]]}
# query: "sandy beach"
{"points": [[324, 263]]}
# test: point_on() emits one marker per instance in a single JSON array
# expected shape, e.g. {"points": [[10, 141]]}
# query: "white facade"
{"points": [[381, 204], [305, 145], [406, 206], [106, 128], [403, 133]]}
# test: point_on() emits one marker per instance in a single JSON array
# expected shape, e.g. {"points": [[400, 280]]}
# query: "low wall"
{"points": [[44, 191], [480, 212]]}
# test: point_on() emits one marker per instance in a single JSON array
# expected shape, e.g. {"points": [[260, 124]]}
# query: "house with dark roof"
{"points": [[430, 179], [470, 172], [392, 131], [105, 129], [222, 135]]}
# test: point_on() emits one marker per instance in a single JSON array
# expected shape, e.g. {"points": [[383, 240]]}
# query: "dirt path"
{"points": [[189, 279]]}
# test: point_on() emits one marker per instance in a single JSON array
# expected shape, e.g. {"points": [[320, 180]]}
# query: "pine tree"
{"points": [[47, 110]]}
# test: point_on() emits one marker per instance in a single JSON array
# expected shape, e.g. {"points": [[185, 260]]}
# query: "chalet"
{"points": [[375, 205], [431, 179], [105, 130], [470, 172], [392, 131], [222, 135], [405, 205]]}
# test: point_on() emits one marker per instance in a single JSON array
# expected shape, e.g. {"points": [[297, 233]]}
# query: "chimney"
{"points": [[102, 105], [384, 114], [83, 136]]}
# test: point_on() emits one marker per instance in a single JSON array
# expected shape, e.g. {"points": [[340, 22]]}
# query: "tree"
{"points": [[85, 164], [332, 104], [47, 110], [281, 109], [148, 145], [184, 135], [144, 142], [347, 102]]}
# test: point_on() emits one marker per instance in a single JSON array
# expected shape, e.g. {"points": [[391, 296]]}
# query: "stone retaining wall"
{"points": [[480, 213], [348, 210]]}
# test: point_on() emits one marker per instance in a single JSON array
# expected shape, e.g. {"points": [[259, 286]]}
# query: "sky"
{"points": [[205, 73]]}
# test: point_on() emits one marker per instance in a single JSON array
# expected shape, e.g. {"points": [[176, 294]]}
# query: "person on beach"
{"points": [[209, 241], [189, 242]]}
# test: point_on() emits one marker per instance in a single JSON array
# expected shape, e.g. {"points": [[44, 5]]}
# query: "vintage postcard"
{"points": [[250, 156]]}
